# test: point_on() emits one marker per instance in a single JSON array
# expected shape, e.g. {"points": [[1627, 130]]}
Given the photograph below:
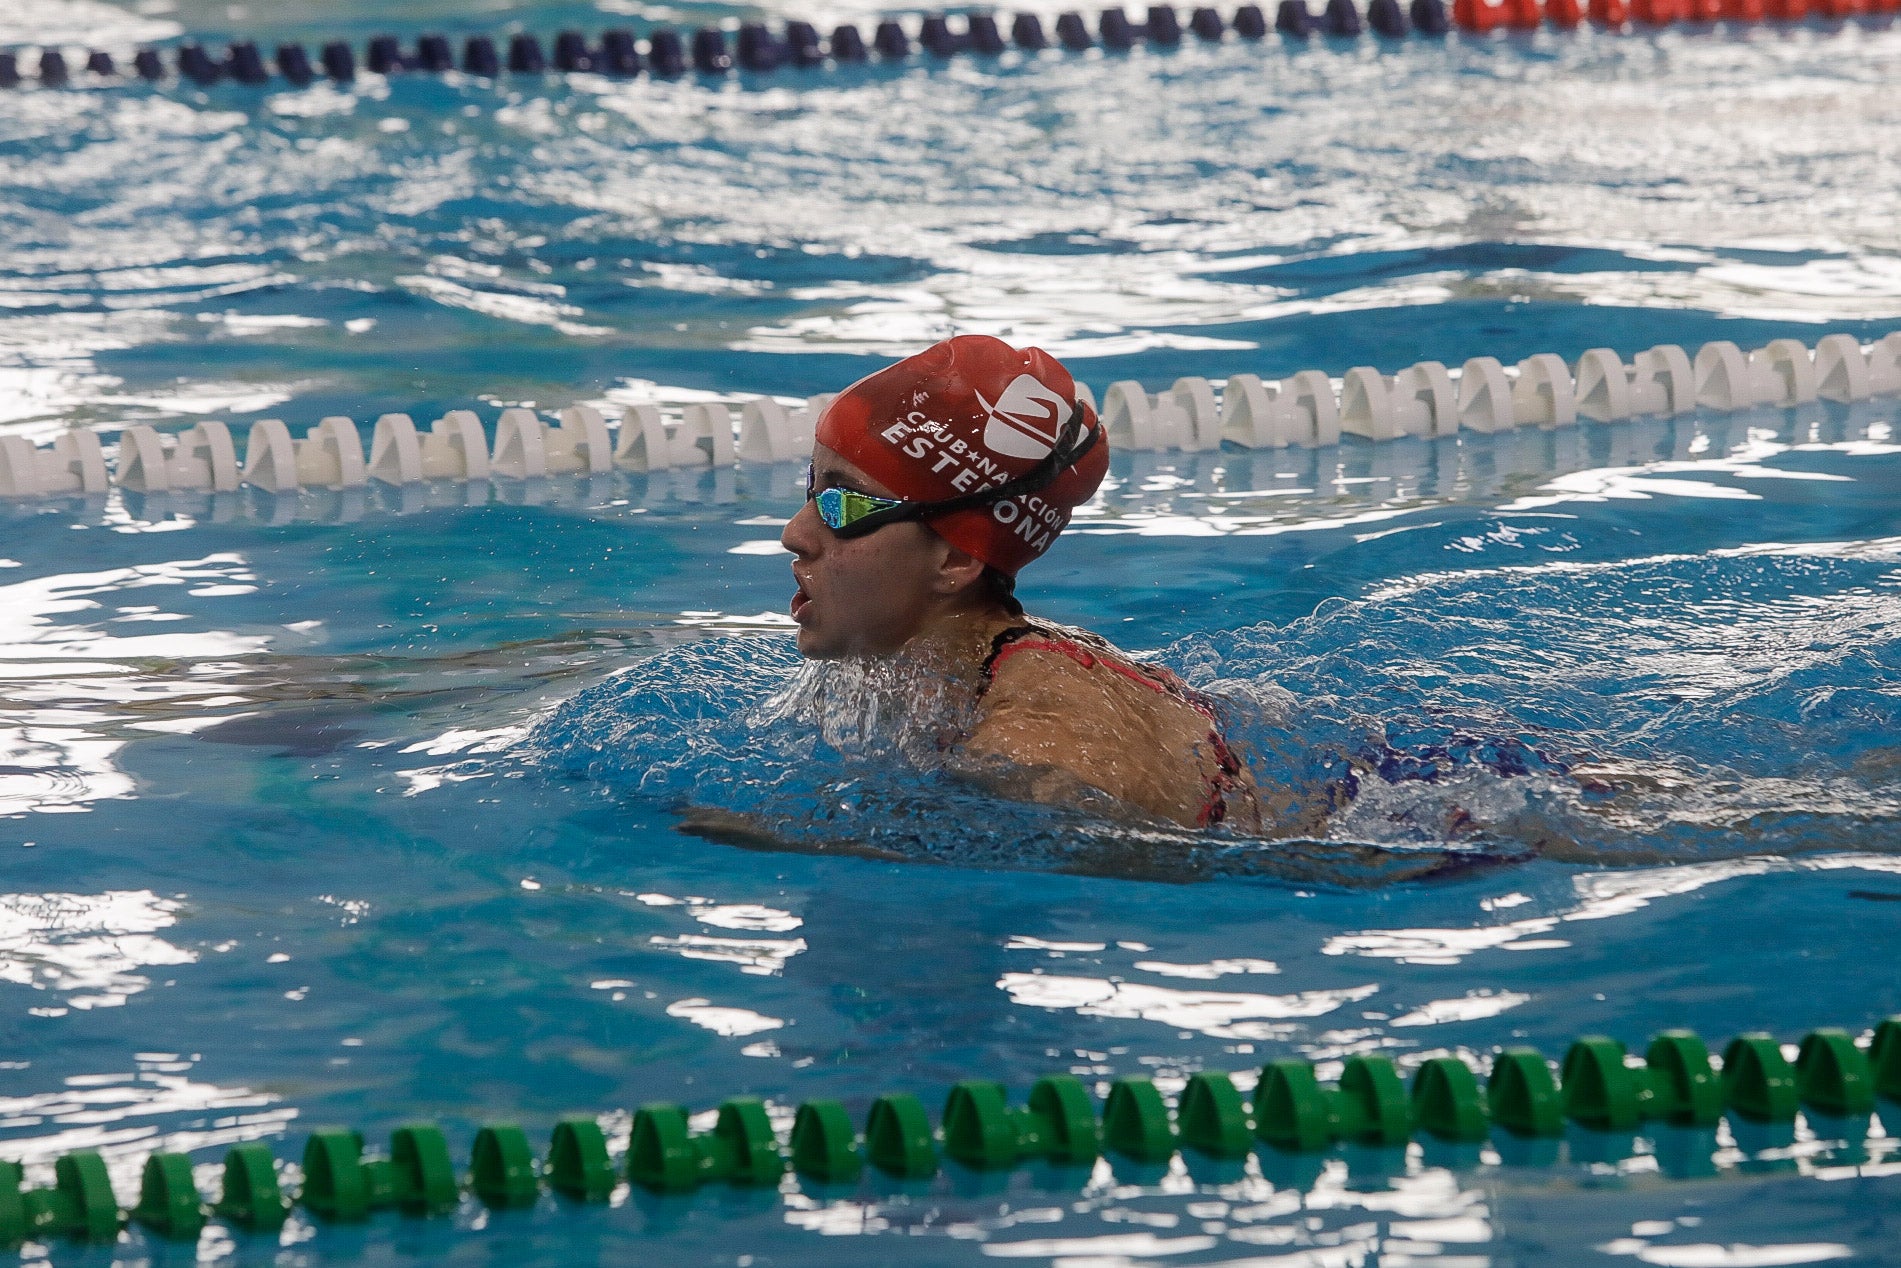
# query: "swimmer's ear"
{"points": [[957, 572]]}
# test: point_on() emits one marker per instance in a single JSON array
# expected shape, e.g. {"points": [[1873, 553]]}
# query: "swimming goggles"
{"points": [[849, 513]]}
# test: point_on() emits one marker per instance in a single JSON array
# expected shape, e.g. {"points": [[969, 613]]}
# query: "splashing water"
{"points": [[1735, 702], [1676, 707]]}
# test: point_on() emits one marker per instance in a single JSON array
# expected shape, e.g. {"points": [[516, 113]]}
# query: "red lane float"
{"points": [[1480, 17], [1477, 16]]}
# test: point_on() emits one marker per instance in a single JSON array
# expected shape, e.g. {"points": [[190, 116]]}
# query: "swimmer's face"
{"points": [[860, 596]]}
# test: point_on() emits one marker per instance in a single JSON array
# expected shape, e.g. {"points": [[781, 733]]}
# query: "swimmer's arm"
{"points": [[999, 773], [754, 832]]}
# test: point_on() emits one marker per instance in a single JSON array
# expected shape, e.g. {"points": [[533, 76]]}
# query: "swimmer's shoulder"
{"points": [[1037, 669], [1065, 698], [1044, 718], [1054, 690], [1042, 660]]}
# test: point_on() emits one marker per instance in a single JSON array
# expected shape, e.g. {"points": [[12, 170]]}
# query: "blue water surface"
{"points": [[360, 807]]}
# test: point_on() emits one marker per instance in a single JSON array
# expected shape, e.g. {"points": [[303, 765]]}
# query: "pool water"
{"points": [[358, 809]]}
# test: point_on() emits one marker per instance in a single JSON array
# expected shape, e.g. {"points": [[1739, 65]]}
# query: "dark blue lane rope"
{"points": [[755, 48]]}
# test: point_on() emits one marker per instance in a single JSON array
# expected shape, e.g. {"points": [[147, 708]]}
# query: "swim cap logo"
{"points": [[1026, 420]]}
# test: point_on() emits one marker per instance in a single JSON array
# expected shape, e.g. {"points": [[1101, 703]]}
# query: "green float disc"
{"points": [[1446, 1100], [1522, 1095], [1071, 1136], [250, 1198], [80, 1178], [1290, 1109], [577, 1160], [1372, 1102], [898, 1137], [1135, 1122], [169, 1202], [746, 1130], [1600, 1091], [502, 1167], [1758, 1081], [1832, 1075], [660, 1154], [13, 1222], [423, 1177], [1213, 1119], [1686, 1088], [334, 1184], [824, 1146], [1884, 1055], [977, 1127]]}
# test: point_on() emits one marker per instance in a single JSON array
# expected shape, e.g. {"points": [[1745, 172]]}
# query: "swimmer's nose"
{"points": [[803, 532]]}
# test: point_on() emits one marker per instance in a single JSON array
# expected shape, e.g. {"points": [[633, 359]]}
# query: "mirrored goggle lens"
{"points": [[831, 508], [841, 508]]}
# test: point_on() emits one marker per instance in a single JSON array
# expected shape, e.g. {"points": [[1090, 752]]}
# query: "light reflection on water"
{"points": [[86, 949], [1603, 896], [76, 677], [126, 1116], [1599, 896], [58, 22], [1240, 207], [1218, 1014], [93, 951], [1332, 1219]]}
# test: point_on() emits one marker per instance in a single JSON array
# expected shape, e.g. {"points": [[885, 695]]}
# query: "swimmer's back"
{"points": [[1067, 701]]}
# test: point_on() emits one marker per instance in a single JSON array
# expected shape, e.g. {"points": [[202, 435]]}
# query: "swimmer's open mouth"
{"points": [[801, 597]]}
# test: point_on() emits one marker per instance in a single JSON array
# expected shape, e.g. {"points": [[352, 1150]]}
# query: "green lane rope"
{"points": [[1597, 1086]]}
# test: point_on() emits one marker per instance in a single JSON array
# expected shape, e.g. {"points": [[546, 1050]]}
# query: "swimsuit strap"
{"points": [[1031, 638], [997, 645]]}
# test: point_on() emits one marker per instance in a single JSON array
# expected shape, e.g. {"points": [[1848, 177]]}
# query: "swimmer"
{"points": [[933, 482]]}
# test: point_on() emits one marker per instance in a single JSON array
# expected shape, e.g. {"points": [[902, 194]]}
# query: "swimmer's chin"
{"points": [[810, 643]]}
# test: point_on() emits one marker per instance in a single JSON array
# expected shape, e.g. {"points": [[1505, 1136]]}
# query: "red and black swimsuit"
{"points": [[1089, 652]]}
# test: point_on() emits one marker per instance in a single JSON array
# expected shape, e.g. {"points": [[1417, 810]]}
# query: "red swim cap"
{"points": [[965, 415]]}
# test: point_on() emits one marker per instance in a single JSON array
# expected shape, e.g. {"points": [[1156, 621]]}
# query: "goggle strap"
{"points": [[1061, 456]]}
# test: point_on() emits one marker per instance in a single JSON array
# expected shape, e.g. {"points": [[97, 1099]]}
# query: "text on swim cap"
{"points": [[922, 437], [1033, 519]]}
